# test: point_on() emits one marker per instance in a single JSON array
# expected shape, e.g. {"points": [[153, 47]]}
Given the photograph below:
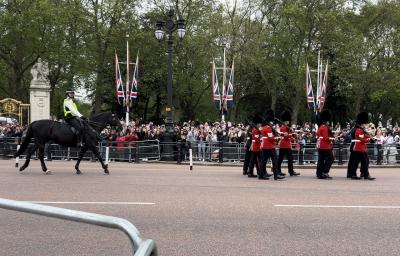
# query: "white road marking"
{"points": [[103, 203], [338, 206]]}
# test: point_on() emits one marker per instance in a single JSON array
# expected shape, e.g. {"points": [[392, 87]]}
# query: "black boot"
{"points": [[279, 177]]}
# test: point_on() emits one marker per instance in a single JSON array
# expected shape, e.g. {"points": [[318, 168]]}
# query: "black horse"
{"points": [[43, 131]]}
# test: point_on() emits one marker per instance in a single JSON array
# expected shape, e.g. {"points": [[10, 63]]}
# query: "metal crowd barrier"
{"points": [[154, 150], [140, 247]]}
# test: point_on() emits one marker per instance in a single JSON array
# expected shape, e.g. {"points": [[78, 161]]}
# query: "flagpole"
{"points": [[223, 89], [318, 85], [128, 94]]}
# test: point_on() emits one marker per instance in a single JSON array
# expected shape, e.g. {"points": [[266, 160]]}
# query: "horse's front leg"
{"points": [[81, 154], [93, 148]]}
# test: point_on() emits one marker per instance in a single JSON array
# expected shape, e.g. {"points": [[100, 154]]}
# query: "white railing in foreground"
{"points": [[140, 247]]}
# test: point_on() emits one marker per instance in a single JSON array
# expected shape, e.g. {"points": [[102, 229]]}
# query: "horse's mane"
{"points": [[100, 114]]}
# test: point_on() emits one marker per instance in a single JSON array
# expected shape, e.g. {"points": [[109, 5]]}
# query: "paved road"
{"points": [[210, 211]]}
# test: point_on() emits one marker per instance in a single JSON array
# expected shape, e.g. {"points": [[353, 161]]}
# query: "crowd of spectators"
{"points": [[231, 132], [218, 131], [202, 135], [11, 130]]}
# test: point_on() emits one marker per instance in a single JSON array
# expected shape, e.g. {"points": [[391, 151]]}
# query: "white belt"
{"points": [[355, 140], [329, 138]]}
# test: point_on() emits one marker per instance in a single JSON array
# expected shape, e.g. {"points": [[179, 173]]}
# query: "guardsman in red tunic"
{"points": [[285, 145], [358, 149], [324, 146], [255, 147], [268, 146]]}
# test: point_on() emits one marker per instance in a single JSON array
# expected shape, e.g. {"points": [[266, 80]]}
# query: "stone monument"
{"points": [[40, 91]]}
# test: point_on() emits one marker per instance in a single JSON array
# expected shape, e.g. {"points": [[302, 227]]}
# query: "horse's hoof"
{"points": [[78, 172], [106, 172], [48, 172]]}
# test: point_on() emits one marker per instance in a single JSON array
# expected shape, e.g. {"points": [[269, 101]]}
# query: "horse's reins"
{"points": [[94, 123]]}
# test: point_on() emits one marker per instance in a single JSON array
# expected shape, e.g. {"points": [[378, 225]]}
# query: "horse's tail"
{"points": [[25, 143]]}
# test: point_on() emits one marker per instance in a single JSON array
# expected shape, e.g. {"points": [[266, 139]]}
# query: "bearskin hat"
{"points": [[325, 116], [257, 119], [285, 116], [362, 118], [269, 116]]}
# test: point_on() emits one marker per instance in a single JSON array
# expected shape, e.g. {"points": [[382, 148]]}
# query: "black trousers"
{"points": [[255, 160], [355, 159], [247, 157], [77, 124], [379, 150], [289, 155], [350, 165], [269, 154], [325, 161]]}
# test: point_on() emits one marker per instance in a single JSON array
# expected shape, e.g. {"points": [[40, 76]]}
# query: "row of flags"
{"points": [[224, 101], [322, 82], [126, 97]]}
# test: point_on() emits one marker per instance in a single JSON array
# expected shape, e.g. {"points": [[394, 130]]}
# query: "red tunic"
{"points": [[255, 140], [286, 141], [360, 140], [268, 138], [324, 140]]}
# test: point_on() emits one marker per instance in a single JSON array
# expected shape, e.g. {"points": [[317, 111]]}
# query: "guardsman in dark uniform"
{"points": [[324, 146], [285, 145], [268, 145], [358, 149], [247, 145], [255, 148]]}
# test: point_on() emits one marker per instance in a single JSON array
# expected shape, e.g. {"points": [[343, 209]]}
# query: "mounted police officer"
{"points": [[72, 115]]}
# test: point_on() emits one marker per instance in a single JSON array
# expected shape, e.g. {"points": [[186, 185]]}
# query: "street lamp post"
{"points": [[168, 28]]}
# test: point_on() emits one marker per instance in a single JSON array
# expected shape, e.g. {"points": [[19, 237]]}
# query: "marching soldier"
{"points": [[324, 146], [255, 148], [358, 149], [268, 146], [285, 145], [247, 145]]}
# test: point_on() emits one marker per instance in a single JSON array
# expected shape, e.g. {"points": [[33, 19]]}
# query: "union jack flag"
{"points": [[229, 92], [118, 82], [309, 88], [216, 94], [134, 91]]}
